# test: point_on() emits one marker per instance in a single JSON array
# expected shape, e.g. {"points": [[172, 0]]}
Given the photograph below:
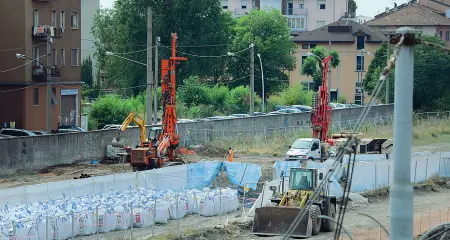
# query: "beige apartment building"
{"points": [[27, 23], [301, 15], [356, 45]]}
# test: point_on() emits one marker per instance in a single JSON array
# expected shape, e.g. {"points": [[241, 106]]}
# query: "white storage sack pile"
{"points": [[117, 210]]}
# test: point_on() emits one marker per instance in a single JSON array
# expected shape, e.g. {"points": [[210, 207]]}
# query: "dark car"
{"points": [[72, 127]]}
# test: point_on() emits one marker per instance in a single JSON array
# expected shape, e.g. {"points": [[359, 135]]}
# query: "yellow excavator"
{"points": [[145, 155], [276, 220]]}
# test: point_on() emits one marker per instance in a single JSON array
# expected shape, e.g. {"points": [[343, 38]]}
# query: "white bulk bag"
{"points": [[162, 212], [192, 205], [4, 231], [86, 223], [178, 210], [106, 221], [26, 231], [206, 206], [63, 226], [42, 229], [142, 217], [123, 218]]}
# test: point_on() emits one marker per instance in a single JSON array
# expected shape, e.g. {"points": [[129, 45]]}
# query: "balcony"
{"points": [[41, 0], [40, 32], [297, 23], [239, 12], [296, 11], [40, 74]]}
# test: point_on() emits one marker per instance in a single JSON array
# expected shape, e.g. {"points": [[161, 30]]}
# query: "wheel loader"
{"points": [[276, 220]]}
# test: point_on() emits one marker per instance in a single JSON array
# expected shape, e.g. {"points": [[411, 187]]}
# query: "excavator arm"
{"points": [[131, 118]]}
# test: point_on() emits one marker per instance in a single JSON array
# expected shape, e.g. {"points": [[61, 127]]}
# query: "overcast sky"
{"points": [[368, 8]]}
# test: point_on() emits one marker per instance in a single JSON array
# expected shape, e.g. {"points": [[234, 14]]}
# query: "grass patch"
{"points": [[425, 132]]}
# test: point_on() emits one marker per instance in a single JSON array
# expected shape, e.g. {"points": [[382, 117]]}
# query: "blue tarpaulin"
{"points": [[200, 175], [243, 174]]}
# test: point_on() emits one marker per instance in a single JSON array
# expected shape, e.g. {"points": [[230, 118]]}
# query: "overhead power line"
{"points": [[19, 48], [11, 69]]}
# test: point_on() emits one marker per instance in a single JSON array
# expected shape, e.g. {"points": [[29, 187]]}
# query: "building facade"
{"points": [[424, 20], [302, 15], [23, 101], [356, 45], [89, 8]]}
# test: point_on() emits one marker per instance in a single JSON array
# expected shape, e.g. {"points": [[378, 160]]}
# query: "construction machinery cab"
{"points": [[154, 135], [275, 220]]}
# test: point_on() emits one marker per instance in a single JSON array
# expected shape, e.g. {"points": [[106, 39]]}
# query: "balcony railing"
{"points": [[41, 32], [40, 73], [241, 11], [296, 11]]}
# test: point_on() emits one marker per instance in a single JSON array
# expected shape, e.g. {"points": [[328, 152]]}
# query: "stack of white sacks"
{"points": [[117, 210]]}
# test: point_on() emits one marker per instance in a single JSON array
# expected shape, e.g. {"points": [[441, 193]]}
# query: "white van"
{"points": [[305, 149]]}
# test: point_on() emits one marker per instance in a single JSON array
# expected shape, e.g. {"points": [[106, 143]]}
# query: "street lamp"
{"points": [[131, 60], [262, 77]]}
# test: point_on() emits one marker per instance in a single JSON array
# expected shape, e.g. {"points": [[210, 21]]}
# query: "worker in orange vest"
{"points": [[230, 155]]}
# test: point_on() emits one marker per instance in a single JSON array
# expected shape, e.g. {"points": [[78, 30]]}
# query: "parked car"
{"points": [[302, 108], [337, 105], [17, 132], [62, 130], [5, 136], [219, 117], [185, 121], [259, 114], [72, 127], [286, 110], [40, 132], [112, 126], [240, 115]]}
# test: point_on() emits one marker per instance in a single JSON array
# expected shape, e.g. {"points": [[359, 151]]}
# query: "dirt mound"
{"points": [[231, 231], [209, 151]]}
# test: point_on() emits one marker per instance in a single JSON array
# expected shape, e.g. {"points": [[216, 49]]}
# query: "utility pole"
{"points": [[49, 84], [155, 98], [401, 193], [387, 78], [149, 66], [252, 78]]}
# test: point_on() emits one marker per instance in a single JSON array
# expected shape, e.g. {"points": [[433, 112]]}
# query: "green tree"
{"points": [[193, 92], [238, 100], [313, 67], [352, 8], [124, 29], [431, 81], [268, 30]]}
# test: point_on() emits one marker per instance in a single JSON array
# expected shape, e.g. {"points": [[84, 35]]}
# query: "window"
{"points": [[36, 96], [447, 36], [296, 23], [440, 34], [35, 56], [305, 46], [74, 20], [63, 57], [225, 4], [35, 17], [303, 59], [360, 42], [321, 4], [54, 61], [311, 46], [290, 7], [53, 18], [74, 57], [301, 5], [320, 24], [244, 4], [62, 19], [359, 63]]}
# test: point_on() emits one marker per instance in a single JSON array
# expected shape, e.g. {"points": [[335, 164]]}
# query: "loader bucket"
{"points": [[274, 221]]}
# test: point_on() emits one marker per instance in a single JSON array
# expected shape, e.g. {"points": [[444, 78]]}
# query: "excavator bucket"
{"points": [[275, 221]]}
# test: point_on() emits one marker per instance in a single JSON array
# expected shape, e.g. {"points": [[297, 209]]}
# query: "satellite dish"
{"points": [[447, 13]]}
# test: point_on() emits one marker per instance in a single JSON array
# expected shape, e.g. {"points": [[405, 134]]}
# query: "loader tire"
{"points": [[328, 225], [314, 212]]}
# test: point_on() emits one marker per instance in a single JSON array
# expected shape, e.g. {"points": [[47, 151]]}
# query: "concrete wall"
{"points": [[42, 151]]}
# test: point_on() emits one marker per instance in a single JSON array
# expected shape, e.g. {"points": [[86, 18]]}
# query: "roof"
{"points": [[413, 15], [340, 31]]}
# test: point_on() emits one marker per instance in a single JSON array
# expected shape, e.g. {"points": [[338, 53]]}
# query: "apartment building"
{"points": [[423, 19], [89, 8], [302, 15], [23, 101], [356, 45]]}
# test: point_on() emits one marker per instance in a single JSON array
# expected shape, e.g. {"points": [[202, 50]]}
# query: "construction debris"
{"points": [[83, 176]]}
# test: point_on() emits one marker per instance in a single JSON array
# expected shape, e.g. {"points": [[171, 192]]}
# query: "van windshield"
{"points": [[301, 144]]}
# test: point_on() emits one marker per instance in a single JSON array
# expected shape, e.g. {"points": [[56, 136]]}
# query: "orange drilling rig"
{"points": [[159, 149]]}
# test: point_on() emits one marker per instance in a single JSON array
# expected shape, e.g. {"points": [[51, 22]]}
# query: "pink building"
{"points": [[302, 15]]}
